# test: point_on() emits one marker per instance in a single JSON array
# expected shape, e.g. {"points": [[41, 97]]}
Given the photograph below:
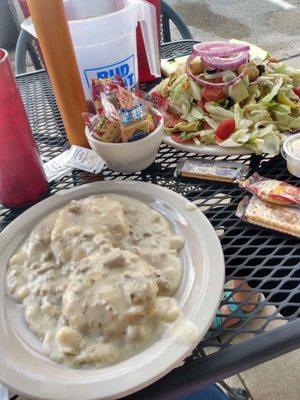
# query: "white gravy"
{"points": [[96, 279]]}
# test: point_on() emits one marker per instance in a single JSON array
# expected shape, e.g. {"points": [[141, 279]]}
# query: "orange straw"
{"points": [[54, 37]]}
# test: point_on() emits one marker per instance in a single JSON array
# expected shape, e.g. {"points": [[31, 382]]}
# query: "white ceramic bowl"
{"points": [[129, 157]]}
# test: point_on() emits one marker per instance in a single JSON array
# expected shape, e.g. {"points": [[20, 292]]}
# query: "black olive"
{"points": [[230, 102], [261, 68], [211, 71]]}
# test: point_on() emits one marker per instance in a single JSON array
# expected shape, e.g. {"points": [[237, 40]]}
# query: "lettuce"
{"points": [[259, 115], [279, 68], [184, 127], [254, 93], [217, 112], [211, 122], [240, 121], [241, 136], [208, 136], [265, 140], [294, 124], [268, 98], [295, 75], [180, 96], [195, 114], [195, 89]]}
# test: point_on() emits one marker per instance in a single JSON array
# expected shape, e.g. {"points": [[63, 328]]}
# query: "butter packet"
{"points": [[221, 171], [272, 216]]}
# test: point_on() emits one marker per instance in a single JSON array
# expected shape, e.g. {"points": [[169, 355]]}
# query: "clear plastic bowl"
{"points": [[292, 155]]}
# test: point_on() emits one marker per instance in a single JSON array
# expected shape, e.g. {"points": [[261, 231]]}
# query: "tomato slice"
{"points": [[171, 119], [297, 90], [176, 137], [225, 129]]}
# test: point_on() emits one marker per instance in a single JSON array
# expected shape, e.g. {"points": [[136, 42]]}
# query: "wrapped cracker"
{"points": [[272, 216], [221, 171], [271, 190], [103, 128]]}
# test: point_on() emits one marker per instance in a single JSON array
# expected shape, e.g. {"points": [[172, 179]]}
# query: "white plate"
{"points": [[24, 368], [206, 149]]}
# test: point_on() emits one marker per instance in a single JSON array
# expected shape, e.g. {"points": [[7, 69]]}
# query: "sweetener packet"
{"points": [[85, 159], [272, 216], [272, 190], [221, 171]]}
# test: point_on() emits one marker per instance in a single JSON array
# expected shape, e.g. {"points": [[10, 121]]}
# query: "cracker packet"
{"points": [[220, 171], [272, 190], [102, 128], [135, 115], [271, 216]]}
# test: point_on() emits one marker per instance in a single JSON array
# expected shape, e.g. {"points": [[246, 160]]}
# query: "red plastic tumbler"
{"points": [[22, 178], [144, 71]]}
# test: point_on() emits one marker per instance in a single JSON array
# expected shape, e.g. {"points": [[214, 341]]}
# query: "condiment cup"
{"points": [[132, 156], [291, 152]]}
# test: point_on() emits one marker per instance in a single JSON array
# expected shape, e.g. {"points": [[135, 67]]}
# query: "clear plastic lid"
{"points": [[291, 148]]}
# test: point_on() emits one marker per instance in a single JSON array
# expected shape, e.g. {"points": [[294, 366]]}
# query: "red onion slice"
{"points": [[202, 82], [226, 63], [215, 49]]}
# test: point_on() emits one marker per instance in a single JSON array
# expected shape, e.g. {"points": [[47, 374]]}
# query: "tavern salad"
{"points": [[225, 96]]}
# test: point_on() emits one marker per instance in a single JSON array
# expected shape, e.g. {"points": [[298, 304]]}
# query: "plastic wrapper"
{"points": [[271, 190], [272, 216], [155, 99], [222, 171], [106, 86]]}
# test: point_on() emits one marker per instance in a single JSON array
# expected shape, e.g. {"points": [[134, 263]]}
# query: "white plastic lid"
{"points": [[291, 149]]}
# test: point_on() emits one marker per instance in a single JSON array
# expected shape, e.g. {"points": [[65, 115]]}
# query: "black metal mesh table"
{"points": [[267, 261]]}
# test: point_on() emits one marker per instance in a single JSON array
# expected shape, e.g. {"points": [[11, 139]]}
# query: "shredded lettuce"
{"points": [[195, 114], [240, 121], [195, 89], [265, 140], [294, 123], [279, 68], [217, 112], [184, 127], [208, 136], [260, 115], [180, 96], [211, 122], [241, 136], [295, 75], [267, 99]]}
